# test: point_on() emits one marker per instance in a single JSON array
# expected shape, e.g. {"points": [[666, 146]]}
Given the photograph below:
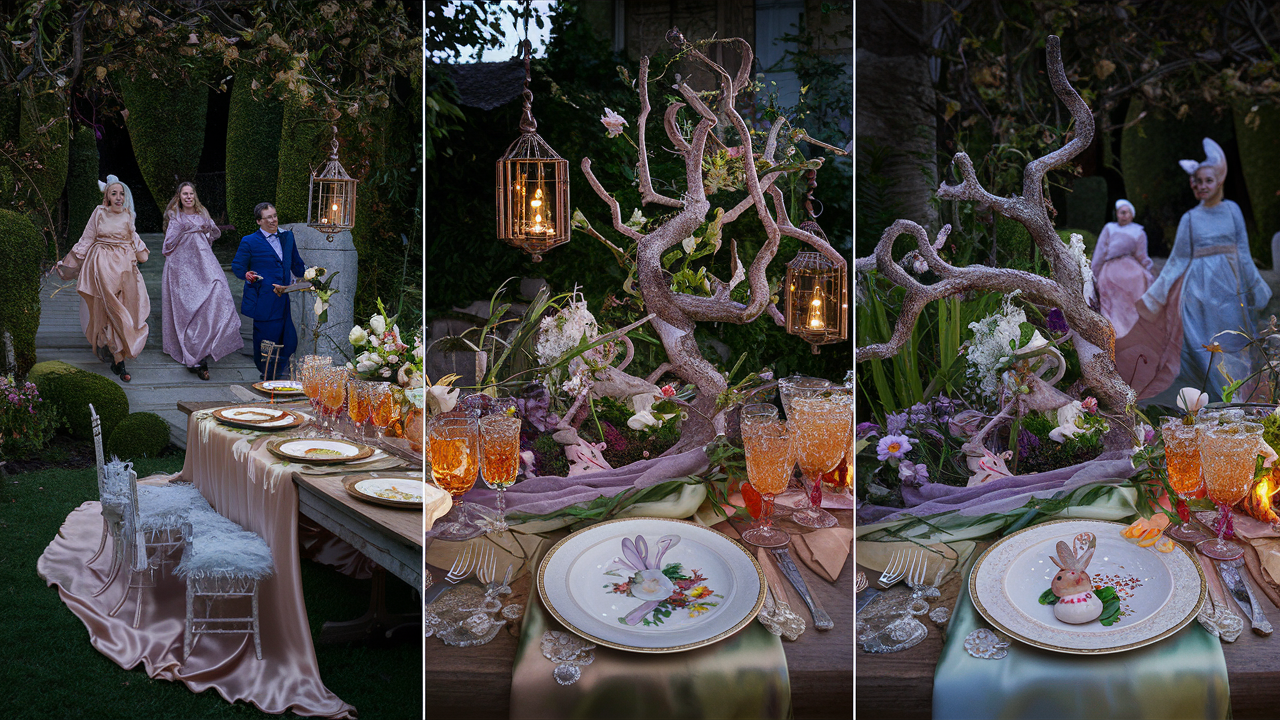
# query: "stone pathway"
{"points": [[159, 382]]}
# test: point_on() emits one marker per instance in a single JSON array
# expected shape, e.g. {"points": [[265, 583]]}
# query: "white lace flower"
{"points": [[613, 122], [1076, 249], [994, 338], [560, 333]]}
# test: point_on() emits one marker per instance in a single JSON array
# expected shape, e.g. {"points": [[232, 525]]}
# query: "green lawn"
{"points": [[49, 669]]}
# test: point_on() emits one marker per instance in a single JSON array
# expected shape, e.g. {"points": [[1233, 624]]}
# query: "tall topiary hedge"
{"points": [[1259, 145], [83, 194], [166, 127], [10, 103], [45, 130], [303, 145], [141, 434], [73, 392], [253, 151], [1087, 204], [21, 249]]}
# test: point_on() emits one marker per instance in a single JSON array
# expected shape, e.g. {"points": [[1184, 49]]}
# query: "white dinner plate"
{"points": [[318, 451], [695, 586], [279, 386], [1162, 592], [398, 491]]}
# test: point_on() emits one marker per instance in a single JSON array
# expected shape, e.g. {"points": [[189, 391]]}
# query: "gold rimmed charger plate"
{"points": [[279, 387], [1007, 580], [295, 449], [573, 584], [365, 486], [273, 419]]}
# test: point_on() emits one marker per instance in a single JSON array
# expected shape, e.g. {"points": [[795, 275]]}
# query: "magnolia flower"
{"points": [[358, 336], [374, 341], [652, 585], [642, 420], [378, 324], [310, 274], [1067, 426], [689, 243], [613, 122], [1191, 400], [441, 398], [396, 359], [321, 306], [364, 366]]}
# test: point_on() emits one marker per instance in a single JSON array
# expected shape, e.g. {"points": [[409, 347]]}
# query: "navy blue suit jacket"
{"points": [[260, 301]]}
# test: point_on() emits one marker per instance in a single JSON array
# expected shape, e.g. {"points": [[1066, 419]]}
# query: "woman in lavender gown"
{"points": [[200, 319], [113, 299], [1121, 269], [1209, 285]]}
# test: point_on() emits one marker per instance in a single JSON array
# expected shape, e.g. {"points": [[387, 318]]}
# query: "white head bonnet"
{"points": [[1125, 203]]}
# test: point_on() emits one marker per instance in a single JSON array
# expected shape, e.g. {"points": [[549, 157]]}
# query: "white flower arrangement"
{"points": [[564, 331], [1076, 249], [380, 348], [995, 340]]}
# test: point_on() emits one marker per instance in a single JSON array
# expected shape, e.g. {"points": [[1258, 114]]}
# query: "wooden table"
{"points": [[900, 685], [475, 682]]}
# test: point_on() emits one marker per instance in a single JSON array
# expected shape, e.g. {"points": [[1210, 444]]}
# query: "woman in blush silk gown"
{"points": [[113, 299], [200, 318], [1121, 269], [1208, 286]]}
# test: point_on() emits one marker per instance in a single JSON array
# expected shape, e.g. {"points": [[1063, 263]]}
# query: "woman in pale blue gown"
{"points": [[1212, 274]]}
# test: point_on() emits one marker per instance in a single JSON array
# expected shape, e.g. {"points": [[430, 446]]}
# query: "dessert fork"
{"points": [[462, 565]]}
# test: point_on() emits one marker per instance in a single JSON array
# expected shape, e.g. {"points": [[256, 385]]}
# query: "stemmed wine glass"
{"points": [[333, 390], [382, 404], [1182, 458], [820, 432], [454, 447], [312, 367], [359, 405], [1227, 456], [499, 459], [769, 462]]}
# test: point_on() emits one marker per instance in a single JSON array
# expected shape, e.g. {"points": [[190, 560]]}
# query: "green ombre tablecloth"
{"points": [[1183, 676]]}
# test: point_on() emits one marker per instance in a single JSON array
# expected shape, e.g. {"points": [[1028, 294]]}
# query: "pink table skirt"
{"points": [[258, 497]]}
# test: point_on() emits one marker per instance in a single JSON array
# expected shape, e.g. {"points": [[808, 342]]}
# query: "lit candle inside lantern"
{"points": [[816, 320]]}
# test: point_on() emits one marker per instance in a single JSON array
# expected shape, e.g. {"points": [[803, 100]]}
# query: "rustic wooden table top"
{"points": [[475, 682]]}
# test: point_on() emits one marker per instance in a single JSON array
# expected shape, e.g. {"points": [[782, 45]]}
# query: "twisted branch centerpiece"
{"points": [[1093, 336]]}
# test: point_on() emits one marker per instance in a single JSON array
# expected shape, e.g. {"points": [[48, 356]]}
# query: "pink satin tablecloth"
{"points": [[239, 483]]}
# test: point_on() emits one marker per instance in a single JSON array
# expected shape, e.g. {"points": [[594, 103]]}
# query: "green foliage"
{"points": [[1259, 145], [21, 248], [10, 106], [141, 434], [550, 456], [166, 126], [45, 132], [877, 209], [301, 151], [1015, 248], [253, 150], [1039, 453], [72, 393], [1090, 239], [608, 424], [83, 194], [49, 367], [1087, 203]]}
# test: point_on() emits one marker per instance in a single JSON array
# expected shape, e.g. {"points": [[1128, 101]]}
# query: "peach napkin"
{"points": [[824, 551]]}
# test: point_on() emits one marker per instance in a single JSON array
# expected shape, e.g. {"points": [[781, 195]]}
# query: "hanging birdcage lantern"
{"points": [[817, 300], [532, 186], [331, 196]]}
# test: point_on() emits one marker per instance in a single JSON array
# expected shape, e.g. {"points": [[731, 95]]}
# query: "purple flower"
{"points": [[893, 446], [896, 424], [913, 474], [1056, 322], [1150, 437], [919, 413], [866, 429]]}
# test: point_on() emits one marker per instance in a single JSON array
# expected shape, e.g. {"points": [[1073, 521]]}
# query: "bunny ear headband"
{"points": [[128, 194], [1213, 158]]}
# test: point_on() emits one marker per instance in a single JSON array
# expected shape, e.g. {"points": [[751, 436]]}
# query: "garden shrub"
{"points": [[52, 146], [73, 392], [166, 127], [9, 105], [27, 422], [141, 434], [21, 249], [1259, 147], [83, 194], [253, 151], [49, 367], [1087, 203], [301, 150]]}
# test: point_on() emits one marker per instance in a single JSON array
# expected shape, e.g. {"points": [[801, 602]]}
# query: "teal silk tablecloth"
{"points": [[1183, 676]]}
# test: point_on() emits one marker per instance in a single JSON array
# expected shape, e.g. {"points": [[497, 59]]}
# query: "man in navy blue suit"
{"points": [[265, 261]]}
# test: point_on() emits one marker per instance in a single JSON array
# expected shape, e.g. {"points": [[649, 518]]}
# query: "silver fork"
{"points": [[462, 565], [896, 568], [486, 565], [918, 564]]}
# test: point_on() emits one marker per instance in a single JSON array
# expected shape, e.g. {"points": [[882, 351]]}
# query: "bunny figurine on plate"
{"points": [[1077, 602]]}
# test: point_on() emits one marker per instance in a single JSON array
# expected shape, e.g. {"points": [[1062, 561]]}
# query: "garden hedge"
{"points": [[166, 128], [73, 392], [1087, 203], [10, 102], [83, 194], [21, 249], [52, 146], [49, 367], [141, 434], [253, 150], [302, 148], [1259, 147]]}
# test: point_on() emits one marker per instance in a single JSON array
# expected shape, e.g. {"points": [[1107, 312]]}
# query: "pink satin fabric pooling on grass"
{"points": [[288, 676]]}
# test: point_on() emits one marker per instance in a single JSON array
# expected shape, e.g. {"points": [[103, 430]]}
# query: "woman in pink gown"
{"points": [[113, 299], [1121, 269], [200, 318]]}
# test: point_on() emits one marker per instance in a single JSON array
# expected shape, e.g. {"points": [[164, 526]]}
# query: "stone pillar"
{"points": [[338, 256]]}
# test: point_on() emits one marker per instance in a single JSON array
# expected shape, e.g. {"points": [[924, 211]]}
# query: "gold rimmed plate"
{"points": [[279, 387], [319, 451], [258, 417], [651, 585], [405, 490], [1163, 592]]}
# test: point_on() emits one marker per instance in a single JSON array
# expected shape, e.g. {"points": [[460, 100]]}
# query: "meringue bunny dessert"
{"points": [[1077, 602]]}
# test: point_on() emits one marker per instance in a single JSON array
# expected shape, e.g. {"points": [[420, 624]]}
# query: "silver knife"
{"points": [[821, 620], [1240, 590]]}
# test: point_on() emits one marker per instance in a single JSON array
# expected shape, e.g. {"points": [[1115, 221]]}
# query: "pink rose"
{"points": [[668, 391], [1090, 404]]}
